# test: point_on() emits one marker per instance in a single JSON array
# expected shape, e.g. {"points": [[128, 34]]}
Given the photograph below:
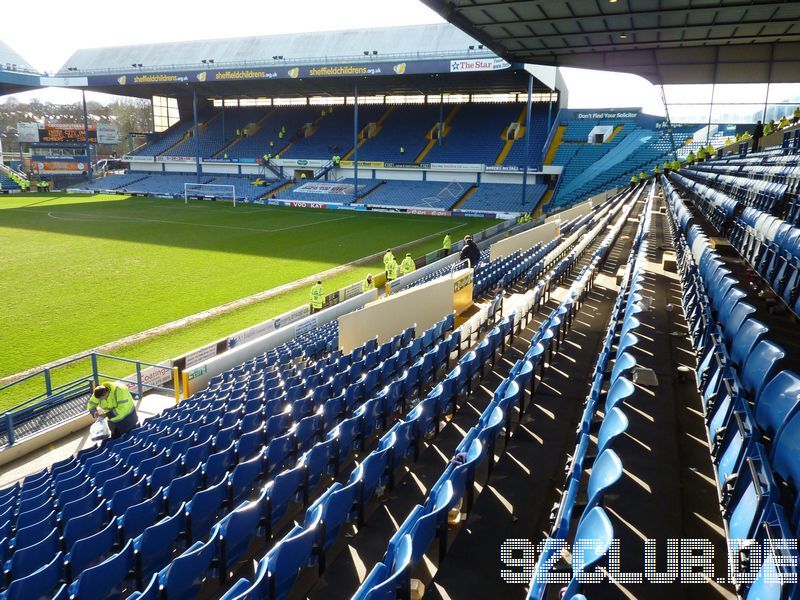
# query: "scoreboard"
{"points": [[64, 135]]}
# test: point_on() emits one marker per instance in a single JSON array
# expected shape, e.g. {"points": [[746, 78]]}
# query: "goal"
{"points": [[209, 191]]}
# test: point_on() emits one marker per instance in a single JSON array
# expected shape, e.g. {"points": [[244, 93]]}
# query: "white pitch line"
{"points": [[166, 222]]}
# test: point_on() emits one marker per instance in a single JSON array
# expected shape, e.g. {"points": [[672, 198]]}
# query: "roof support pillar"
{"points": [[196, 134], [86, 138], [527, 141], [355, 141]]}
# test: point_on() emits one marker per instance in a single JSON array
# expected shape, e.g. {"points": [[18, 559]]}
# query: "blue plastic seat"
{"points": [[204, 508], [39, 585], [279, 494], [622, 365], [28, 521], [33, 534], [29, 559], [337, 506], [317, 461], [396, 584], [91, 550], [614, 424], [140, 516], [593, 536], [196, 455], [777, 401], [236, 532], [619, 391], [244, 478], [777, 574], [154, 547], [292, 554], [748, 335], [162, 476], [606, 471], [218, 464], [150, 591], [127, 497], [754, 488], [81, 526], [185, 575], [106, 580], [760, 365], [183, 488], [737, 315], [250, 444], [78, 507]]}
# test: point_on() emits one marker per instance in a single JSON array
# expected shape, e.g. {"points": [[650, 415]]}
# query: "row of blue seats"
{"points": [[309, 346], [605, 408], [56, 507], [767, 243], [298, 547], [761, 194], [305, 545], [718, 207], [750, 407], [391, 578], [228, 466], [772, 247]]}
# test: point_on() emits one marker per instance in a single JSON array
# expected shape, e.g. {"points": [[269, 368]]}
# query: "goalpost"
{"points": [[209, 191]]}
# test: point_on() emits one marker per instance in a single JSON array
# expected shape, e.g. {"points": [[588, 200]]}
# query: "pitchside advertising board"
{"points": [[346, 69]]}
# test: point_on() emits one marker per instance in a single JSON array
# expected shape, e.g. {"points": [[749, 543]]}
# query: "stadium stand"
{"points": [[502, 197], [257, 145], [6, 183], [438, 195], [474, 134], [216, 132], [334, 133], [166, 139], [633, 379], [365, 186], [405, 127]]}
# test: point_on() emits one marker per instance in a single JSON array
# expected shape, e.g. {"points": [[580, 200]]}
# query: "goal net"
{"points": [[448, 195], [209, 191]]}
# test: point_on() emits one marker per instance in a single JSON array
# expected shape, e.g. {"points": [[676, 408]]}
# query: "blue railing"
{"points": [[53, 396]]}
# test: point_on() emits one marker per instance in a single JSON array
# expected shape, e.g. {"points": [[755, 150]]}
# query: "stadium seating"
{"points": [[405, 127], [6, 183], [436, 195], [501, 197], [165, 140], [365, 186], [334, 134], [605, 466], [475, 134], [147, 480], [749, 400], [285, 560], [216, 132], [114, 182]]}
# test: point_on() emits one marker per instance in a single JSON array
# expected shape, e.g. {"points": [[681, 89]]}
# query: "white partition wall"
{"points": [[524, 240], [423, 305], [584, 208]]}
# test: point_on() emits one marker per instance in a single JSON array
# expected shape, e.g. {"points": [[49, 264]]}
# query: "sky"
{"points": [[96, 24]]}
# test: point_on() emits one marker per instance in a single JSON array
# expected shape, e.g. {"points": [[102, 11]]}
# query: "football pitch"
{"points": [[78, 271]]}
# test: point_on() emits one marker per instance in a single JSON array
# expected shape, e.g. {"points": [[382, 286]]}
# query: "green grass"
{"points": [[79, 271]]}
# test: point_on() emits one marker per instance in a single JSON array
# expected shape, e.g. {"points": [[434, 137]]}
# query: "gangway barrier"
{"points": [[49, 404]]}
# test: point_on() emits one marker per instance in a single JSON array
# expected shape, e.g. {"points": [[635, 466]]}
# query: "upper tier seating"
{"points": [[474, 135]]}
